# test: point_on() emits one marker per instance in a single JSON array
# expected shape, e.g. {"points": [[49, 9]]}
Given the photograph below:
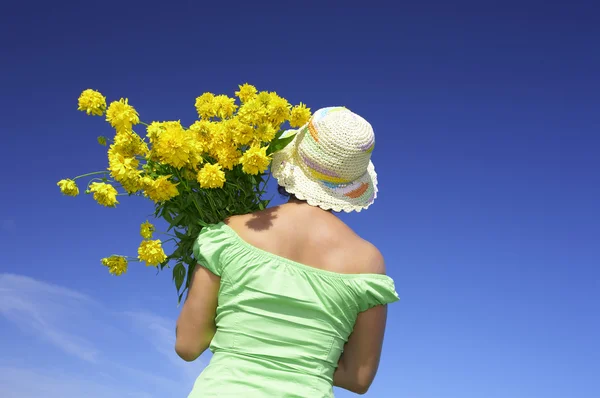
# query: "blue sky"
{"points": [[487, 122]]}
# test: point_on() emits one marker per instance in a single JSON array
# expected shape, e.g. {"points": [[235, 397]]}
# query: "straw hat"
{"points": [[328, 164]]}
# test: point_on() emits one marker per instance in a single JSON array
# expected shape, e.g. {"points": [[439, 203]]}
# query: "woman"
{"points": [[290, 300]]}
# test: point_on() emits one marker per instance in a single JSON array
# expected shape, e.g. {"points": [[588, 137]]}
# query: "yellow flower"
{"points": [[104, 194], [92, 102], [132, 184], [151, 252], [299, 116], [204, 129], [119, 164], [253, 112], [240, 133], [130, 144], [124, 169], [265, 133], [255, 160], [211, 176], [117, 265], [205, 105], [279, 109], [220, 137], [176, 146], [161, 189], [227, 155], [153, 130], [68, 187], [146, 230], [264, 98], [224, 106], [121, 115], [246, 93]]}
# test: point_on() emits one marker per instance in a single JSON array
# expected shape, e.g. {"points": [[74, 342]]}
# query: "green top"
{"points": [[281, 325]]}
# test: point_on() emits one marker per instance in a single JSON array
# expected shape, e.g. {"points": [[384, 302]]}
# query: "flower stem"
{"points": [[182, 180], [196, 205], [266, 181], [165, 233], [90, 174]]}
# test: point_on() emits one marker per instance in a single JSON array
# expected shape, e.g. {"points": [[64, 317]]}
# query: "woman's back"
{"points": [[309, 236], [293, 281], [289, 299]]}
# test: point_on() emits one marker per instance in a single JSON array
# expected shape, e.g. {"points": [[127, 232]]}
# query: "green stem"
{"points": [[165, 233], [99, 179], [90, 174], [197, 206], [212, 204], [266, 182], [182, 180], [227, 182]]}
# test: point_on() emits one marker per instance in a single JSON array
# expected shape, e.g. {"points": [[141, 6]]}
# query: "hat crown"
{"points": [[335, 146]]}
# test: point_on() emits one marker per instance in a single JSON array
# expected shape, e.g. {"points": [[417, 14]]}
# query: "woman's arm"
{"points": [[359, 362], [196, 324]]}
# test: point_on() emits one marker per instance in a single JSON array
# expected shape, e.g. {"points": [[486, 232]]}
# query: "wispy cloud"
{"points": [[38, 308], [30, 382], [121, 354], [159, 332]]}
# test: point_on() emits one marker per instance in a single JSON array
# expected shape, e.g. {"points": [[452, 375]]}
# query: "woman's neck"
{"points": [[295, 201]]}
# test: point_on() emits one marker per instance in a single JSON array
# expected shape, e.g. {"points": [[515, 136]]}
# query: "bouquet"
{"points": [[196, 176]]}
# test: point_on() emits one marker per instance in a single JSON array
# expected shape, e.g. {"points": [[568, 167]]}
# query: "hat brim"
{"points": [[355, 196]]}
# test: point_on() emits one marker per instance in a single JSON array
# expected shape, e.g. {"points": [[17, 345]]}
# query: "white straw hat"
{"points": [[328, 164]]}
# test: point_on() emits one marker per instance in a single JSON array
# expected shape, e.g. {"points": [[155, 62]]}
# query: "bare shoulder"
{"points": [[374, 262], [241, 218], [238, 219], [309, 236], [364, 255]]}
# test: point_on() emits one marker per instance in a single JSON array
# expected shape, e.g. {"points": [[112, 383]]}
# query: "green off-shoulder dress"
{"points": [[281, 325]]}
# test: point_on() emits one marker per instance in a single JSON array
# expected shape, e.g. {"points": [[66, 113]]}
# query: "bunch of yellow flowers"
{"points": [[196, 175]]}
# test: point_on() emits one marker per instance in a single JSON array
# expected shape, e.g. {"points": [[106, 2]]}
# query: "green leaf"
{"points": [[189, 201], [202, 223], [178, 219], [179, 272], [279, 144], [258, 179], [102, 140], [168, 218]]}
